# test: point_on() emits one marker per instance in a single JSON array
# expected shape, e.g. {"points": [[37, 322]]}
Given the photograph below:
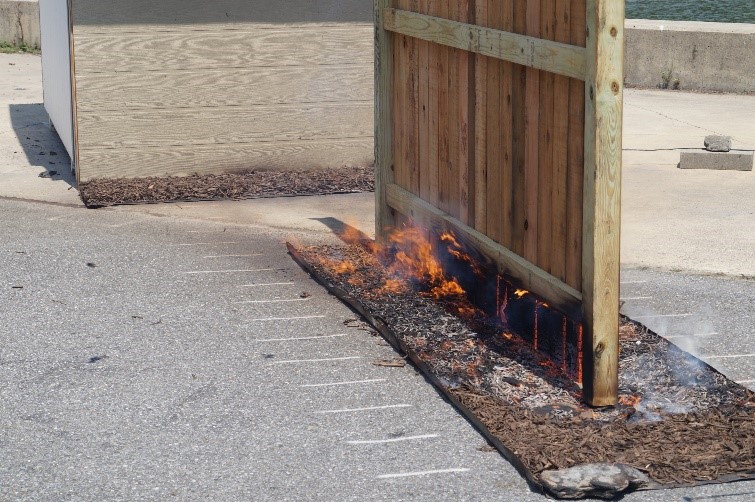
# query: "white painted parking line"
{"points": [[351, 382], [210, 257], [206, 243], [368, 408], [266, 284], [195, 272], [689, 336], [263, 319], [322, 360], [633, 282], [393, 440], [318, 337], [276, 301], [730, 356], [660, 315], [746, 381], [421, 473], [636, 298]]}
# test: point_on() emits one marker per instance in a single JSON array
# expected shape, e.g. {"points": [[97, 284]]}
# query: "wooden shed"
{"points": [[173, 87]]}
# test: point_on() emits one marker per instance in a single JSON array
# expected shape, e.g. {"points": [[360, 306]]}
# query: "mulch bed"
{"points": [[681, 421], [241, 185]]}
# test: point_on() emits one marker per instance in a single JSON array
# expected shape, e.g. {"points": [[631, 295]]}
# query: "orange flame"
{"points": [[520, 292], [394, 286], [630, 400], [345, 267], [417, 259]]}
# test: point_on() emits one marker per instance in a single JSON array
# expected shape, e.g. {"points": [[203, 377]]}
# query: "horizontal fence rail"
{"points": [[554, 57]]}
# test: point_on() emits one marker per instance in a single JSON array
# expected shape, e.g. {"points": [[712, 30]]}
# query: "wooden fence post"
{"points": [[384, 219], [602, 200]]}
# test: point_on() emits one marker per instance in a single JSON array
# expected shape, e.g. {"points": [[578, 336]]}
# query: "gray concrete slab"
{"points": [[143, 377], [716, 161]]}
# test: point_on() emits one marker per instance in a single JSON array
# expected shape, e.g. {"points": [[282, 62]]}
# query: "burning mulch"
{"points": [[241, 185], [679, 421]]}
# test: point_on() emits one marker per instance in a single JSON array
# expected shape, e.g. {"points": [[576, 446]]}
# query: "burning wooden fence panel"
{"points": [[501, 121]]}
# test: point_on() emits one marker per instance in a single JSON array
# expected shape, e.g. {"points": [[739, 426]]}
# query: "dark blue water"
{"points": [[722, 11]]}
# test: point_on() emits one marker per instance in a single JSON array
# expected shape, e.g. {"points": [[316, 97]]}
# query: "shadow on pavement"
{"points": [[40, 142]]}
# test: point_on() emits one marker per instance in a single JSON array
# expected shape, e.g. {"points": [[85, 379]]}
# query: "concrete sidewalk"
{"points": [[184, 361]]}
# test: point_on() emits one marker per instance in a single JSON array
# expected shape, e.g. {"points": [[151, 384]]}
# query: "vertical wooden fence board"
{"points": [[602, 200], [434, 124], [414, 48], [506, 133], [493, 131], [384, 78], [424, 110], [463, 150], [575, 168], [532, 146], [518, 146], [399, 113], [545, 159], [561, 33], [444, 179], [481, 125], [453, 61]]}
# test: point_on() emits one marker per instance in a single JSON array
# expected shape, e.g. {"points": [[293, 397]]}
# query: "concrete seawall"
{"points": [[688, 55], [19, 22]]}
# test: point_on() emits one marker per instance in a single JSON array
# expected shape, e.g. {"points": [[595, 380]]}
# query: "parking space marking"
{"points": [[636, 298], [729, 356], [653, 316], [288, 300], [318, 337], [693, 334], [263, 319], [322, 360], [240, 270], [266, 284], [351, 382], [368, 408], [393, 440], [745, 381], [633, 282], [421, 473], [206, 243], [231, 256]]}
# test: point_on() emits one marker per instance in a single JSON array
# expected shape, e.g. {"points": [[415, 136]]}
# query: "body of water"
{"points": [[722, 11]]}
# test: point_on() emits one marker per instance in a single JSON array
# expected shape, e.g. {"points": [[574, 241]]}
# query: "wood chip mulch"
{"points": [[681, 421], [242, 185]]}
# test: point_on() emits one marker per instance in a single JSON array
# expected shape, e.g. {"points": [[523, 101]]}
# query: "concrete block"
{"points": [[716, 161], [715, 143]]}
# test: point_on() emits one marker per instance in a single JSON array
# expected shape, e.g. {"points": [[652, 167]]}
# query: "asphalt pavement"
{"points": [[176, 352]]}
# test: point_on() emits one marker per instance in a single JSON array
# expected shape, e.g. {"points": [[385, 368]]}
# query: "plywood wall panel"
{"points": [[222, 88], [241, 48], [129, 162], [199, 126]]}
